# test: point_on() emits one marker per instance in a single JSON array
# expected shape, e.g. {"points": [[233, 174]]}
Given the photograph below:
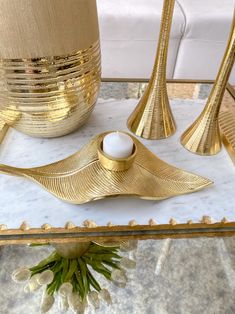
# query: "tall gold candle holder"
{"points": [[203, 136], [152, 118]]}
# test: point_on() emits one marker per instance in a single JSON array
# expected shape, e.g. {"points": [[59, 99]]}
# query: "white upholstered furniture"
{"points": [[129, 31]]}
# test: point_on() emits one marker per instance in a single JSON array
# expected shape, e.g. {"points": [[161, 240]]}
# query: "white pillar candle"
{"points": [[118, 145]]}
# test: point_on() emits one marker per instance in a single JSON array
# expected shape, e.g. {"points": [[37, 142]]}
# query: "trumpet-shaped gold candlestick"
{"points": [[152, 118], [203, 136]]}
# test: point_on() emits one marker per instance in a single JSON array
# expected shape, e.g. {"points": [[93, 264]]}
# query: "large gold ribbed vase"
{"points": [[152, 118], [203, 136], [49, 64]]}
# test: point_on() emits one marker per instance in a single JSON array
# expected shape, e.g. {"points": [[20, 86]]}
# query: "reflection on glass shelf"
{"points": [[128, 90], [171, 277]]}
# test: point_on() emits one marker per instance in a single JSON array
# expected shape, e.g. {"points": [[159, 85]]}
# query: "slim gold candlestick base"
{"points": [[152, 118], [203, 136]]}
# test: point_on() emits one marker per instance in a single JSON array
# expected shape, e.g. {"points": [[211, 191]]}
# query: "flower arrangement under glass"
{"points": [[69, 274]]}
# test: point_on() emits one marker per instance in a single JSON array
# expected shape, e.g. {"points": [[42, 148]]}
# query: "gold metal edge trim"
{"points": [[116, 233]]}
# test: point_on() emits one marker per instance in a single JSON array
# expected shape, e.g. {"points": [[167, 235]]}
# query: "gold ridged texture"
{"points": [[152, 118], [50, 96], [227, 128], [203, 136], [3, 130], [81, 177]]}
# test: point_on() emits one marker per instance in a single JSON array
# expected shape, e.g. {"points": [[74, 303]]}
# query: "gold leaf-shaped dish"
{"points": [[81, 178], [3, 130]]}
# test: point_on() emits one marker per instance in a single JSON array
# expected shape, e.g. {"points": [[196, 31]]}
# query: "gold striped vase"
{"points": [[50, 72]]}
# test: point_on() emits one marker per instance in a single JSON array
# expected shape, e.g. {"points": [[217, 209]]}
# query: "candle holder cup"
{"points": [[115, 164], [90, 175]]}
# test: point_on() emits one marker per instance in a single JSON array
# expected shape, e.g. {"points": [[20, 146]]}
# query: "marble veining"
{"points": [[23, 200]]}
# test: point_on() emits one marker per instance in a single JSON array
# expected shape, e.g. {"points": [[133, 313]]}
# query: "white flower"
{"points": [[63, 303], [127, 263], [27, 289], [119, 277], [47, 302], [94, 300], [21, 274], [129, 245], [46, 277], [89, 224], [65, 289], [75, 303], [33, 284], [105, 295]]}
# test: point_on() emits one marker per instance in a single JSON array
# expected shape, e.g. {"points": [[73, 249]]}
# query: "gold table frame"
{"points": [[116, 233]]}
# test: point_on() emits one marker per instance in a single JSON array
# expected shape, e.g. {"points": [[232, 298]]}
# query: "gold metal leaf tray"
{"points": [[81, 178], [3, 130]]}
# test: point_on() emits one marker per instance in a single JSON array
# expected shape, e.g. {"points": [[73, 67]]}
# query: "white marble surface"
{"points": [[23, 200]]}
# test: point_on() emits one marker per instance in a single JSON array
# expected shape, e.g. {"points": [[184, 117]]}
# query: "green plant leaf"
{"points": [[112, 264], [100, 257], [80, 283], [41, 269], [65, 267], [93, 281], [84, 274], [38, 244], [51, 258], [101, 269], [72, 268]]}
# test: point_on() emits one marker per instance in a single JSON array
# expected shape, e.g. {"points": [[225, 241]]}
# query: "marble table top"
{"points": [[22, 200]]}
